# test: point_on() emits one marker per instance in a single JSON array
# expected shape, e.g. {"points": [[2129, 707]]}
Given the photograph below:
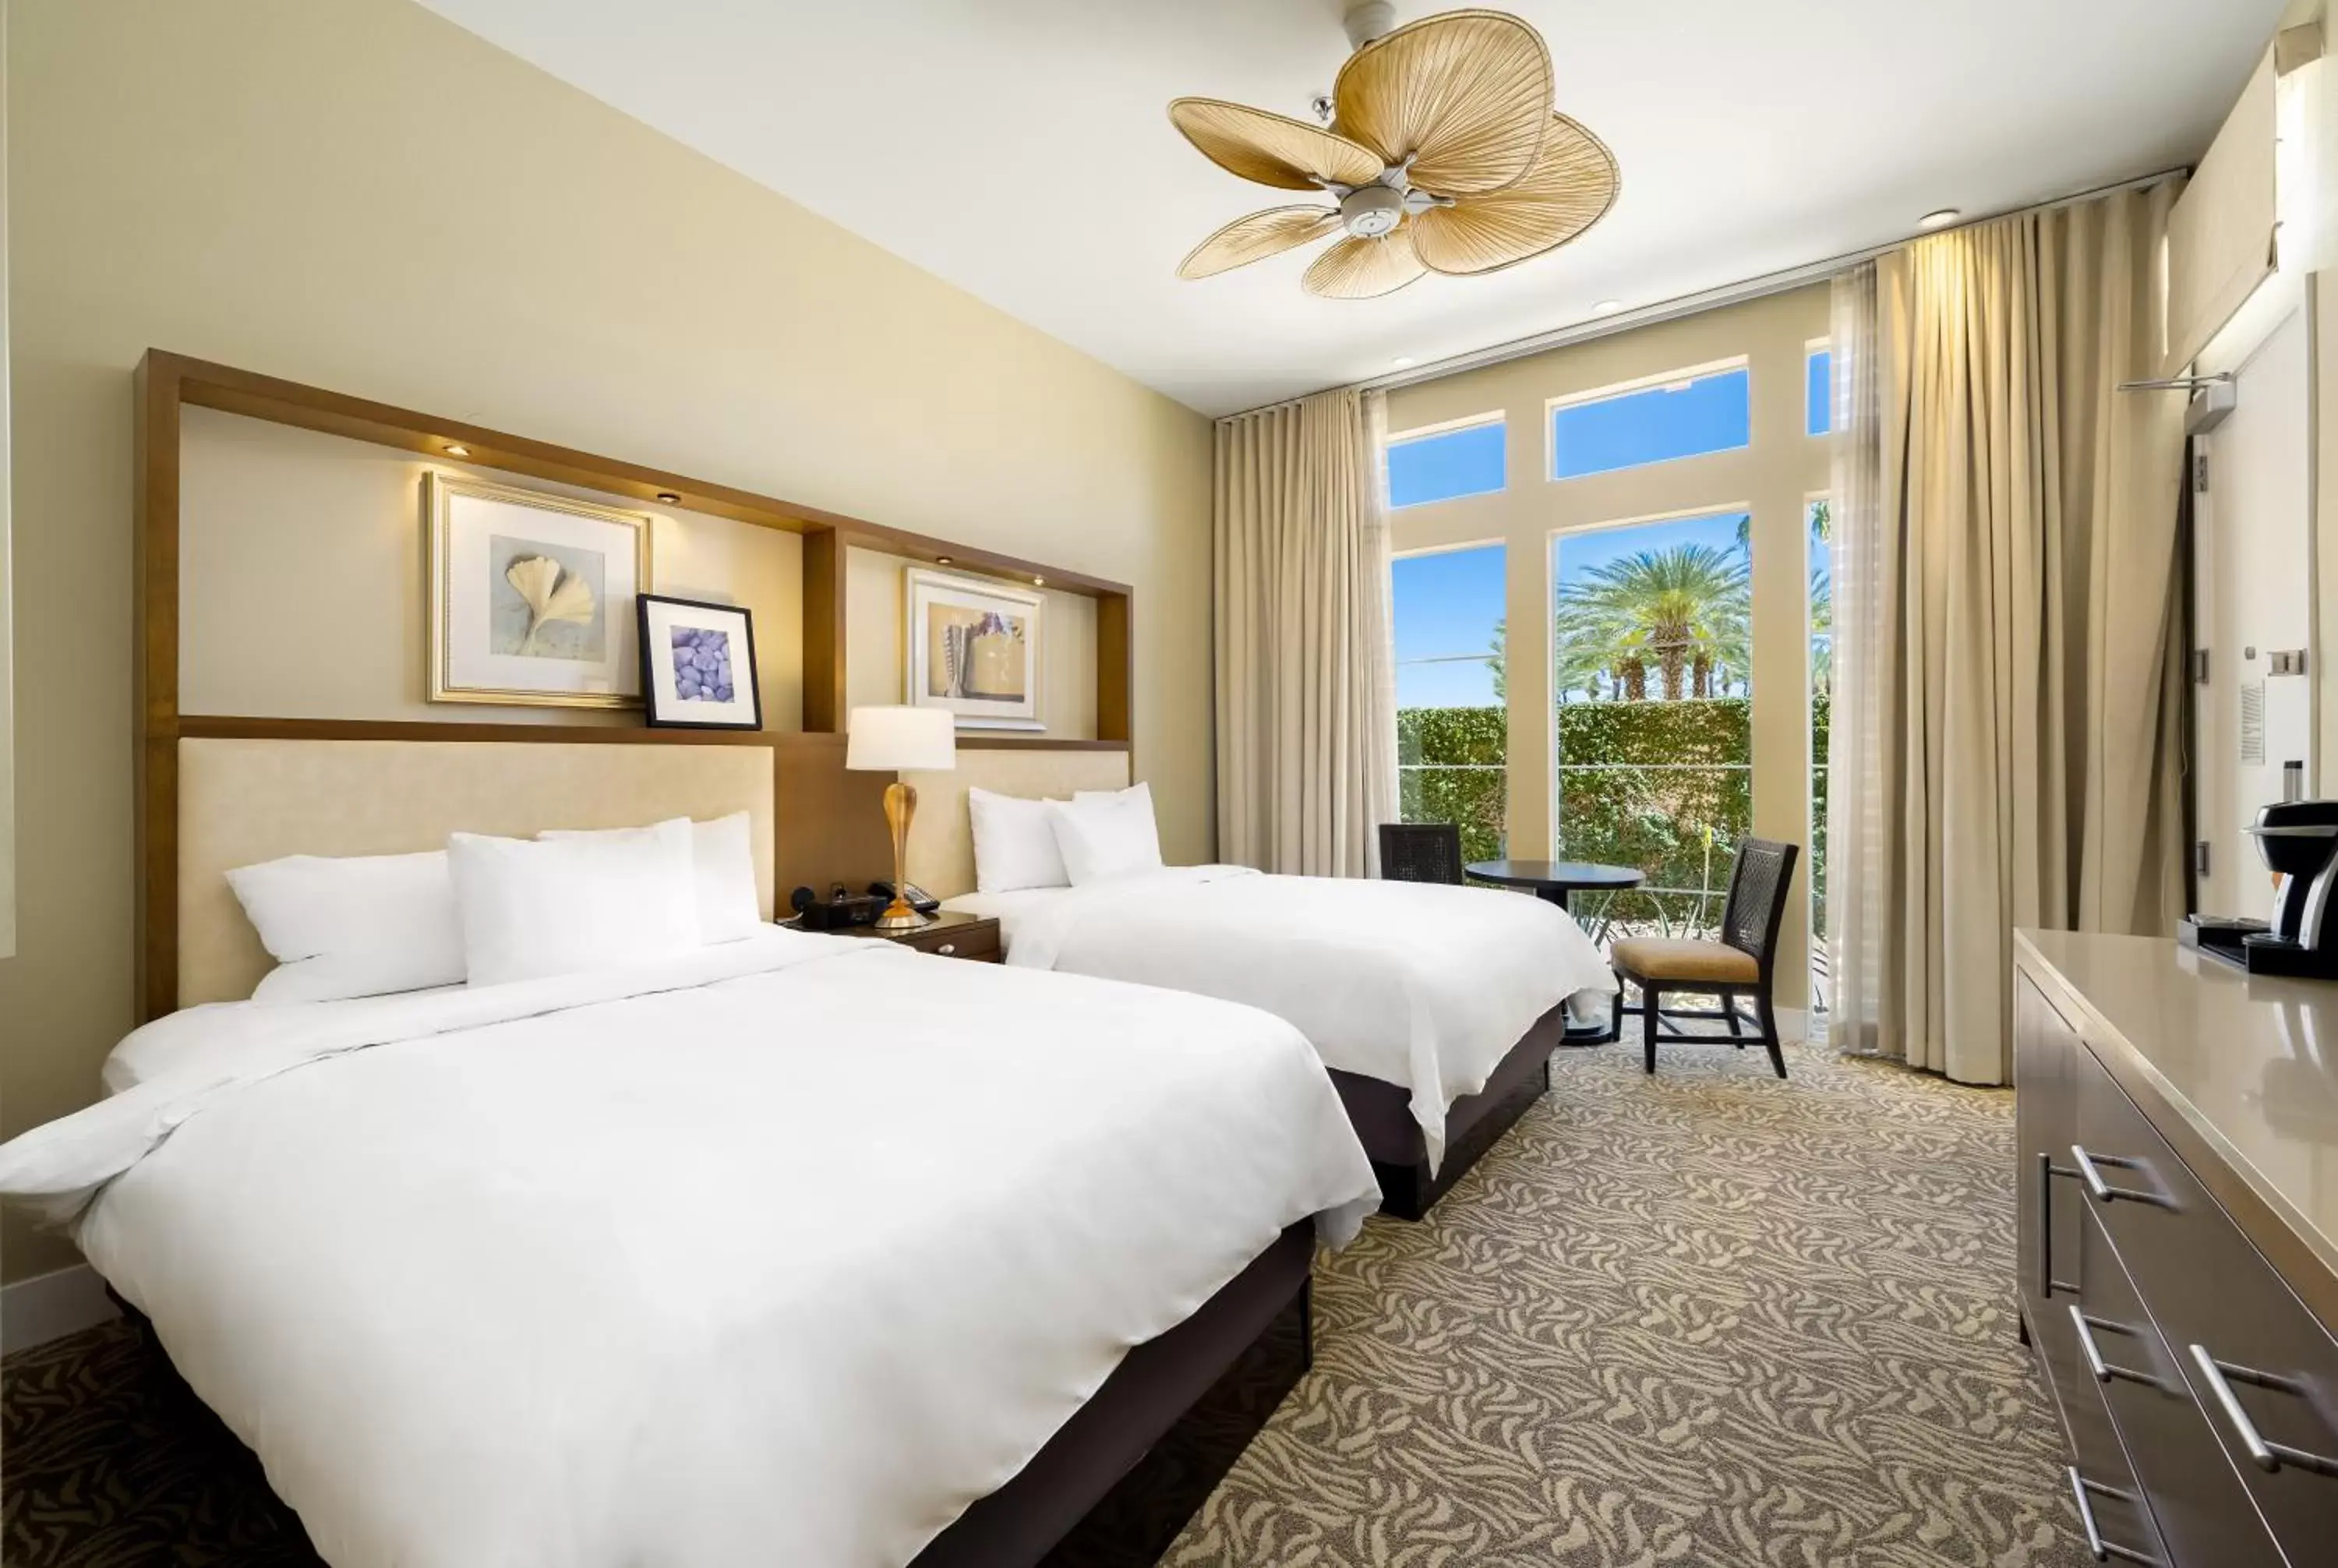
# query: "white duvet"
{"points": [[1419, 985], [781, 1252]]}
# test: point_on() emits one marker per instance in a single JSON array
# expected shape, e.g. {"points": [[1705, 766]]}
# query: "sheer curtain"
{"points": [[1306, 679], [2006, 738]]}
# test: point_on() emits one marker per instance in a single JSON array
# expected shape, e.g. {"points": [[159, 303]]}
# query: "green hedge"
{"points": [[1681, 827], [1453, 737]]}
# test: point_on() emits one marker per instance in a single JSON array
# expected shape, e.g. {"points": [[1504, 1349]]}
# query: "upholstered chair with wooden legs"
{"points": [[1742, 964], [1420, 852]]}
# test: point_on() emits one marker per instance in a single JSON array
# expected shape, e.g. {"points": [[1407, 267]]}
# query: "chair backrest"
{"points": [[1758, 883], [1420, 852]]}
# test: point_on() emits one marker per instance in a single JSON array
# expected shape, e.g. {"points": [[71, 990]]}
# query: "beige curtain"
{"points": [[2006, 741], [1305, 663]]}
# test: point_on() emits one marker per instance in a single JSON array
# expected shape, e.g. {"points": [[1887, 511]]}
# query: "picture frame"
{"points": [[974, 646], [697, 665], [531, 596]]}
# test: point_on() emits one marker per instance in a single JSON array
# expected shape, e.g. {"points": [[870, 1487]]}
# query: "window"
{"points": [[1819, 518], [1686, 415], [1452, 730], [1818, 389], [1650, 631], [1447, 462]]}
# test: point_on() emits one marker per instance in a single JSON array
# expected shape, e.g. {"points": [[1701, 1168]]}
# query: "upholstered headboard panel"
{"points": [[941, 840], [244, 801]]}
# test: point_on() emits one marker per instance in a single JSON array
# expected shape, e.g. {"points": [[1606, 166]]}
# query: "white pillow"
{"points": [[1107, 834], [353, 926], [722, 862], [1014, 843], [536, 907]]}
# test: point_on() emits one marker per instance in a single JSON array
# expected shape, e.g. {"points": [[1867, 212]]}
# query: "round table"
{"points": [[1554, 880]]}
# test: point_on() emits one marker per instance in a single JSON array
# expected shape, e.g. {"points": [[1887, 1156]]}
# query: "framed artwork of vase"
{"points": [[698, 665], [972, 647], [532, 596]]}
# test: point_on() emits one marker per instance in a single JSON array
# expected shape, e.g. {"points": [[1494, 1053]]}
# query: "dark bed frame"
{"points": [[1114, 1484], [1382, 1115]]}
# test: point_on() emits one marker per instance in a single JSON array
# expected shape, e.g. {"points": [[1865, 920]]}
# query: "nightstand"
{"points": [[950, 935]]}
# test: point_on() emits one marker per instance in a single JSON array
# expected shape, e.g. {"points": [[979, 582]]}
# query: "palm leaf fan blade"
{"points": [[1466, 94], [1358, 268], [1572, 185], [1257, 236], [1271, 148]]}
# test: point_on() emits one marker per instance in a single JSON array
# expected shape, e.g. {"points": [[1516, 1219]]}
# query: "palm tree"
{"points": [[1682, 609]]}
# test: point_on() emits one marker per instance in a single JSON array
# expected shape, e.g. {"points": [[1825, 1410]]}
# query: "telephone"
{"points": [[923, 901], [837, 912]]}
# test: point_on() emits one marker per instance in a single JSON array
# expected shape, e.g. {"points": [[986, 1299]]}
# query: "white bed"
{"points": [[1423, 987], [660, 1265]]}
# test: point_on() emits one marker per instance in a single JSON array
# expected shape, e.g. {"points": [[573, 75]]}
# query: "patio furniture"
{"points": [[1556, 882], [1742, 964], [1420, 852]]}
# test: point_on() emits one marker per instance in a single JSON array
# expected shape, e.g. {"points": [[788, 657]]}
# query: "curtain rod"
{"points": [[1714, 298]]}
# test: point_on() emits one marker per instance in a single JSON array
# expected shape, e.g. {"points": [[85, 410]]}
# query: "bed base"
{"points": [[1111, 1489], [1119, 1480], [1382, 1115]]}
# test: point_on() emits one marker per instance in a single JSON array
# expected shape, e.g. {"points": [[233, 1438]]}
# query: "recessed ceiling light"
{"points": [[669, 497], [1400, 362], [455, 449], [941, 560], [1941, 220], [1606, 306], [1038, 581]]}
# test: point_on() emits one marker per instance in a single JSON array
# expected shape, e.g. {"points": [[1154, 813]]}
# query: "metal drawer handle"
{"points": [[2264, 1455], [2047, 1171], [2100, 1550], [2102, 1191], [2103, 1370]]}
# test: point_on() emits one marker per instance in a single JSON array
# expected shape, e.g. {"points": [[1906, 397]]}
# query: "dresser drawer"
{"points": [[2198, 1502], [2219, 1307], [2103, 1482]]}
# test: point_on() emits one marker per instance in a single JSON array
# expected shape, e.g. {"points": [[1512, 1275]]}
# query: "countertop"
{"points": [[2248, 1064]]}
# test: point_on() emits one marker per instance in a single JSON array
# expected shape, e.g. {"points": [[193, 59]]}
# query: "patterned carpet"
{"points": [[1702, 1319], [1707, 1319]]}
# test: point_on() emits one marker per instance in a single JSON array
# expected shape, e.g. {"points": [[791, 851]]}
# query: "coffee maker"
{"points": [[2298, 840]]}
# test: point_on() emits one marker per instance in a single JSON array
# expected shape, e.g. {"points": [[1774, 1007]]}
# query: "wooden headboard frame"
{"points": [[829, 825]]}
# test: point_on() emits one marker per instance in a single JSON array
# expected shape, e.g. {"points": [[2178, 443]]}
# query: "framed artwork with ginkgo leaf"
{"points": [[532, 596]]}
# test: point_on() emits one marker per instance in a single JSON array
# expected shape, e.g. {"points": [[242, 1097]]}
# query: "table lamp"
{"points": [[893, 741]]}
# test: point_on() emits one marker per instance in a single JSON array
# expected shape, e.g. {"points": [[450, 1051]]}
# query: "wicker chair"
{"points": [[1420, 852], [1744, 963]]}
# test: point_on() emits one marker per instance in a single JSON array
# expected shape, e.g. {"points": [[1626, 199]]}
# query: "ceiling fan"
{"points": [[1441, 153]]}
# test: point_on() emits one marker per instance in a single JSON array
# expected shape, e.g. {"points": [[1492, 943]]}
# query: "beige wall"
{"points": [[1772, 478], [357, 194], [302, 579]]}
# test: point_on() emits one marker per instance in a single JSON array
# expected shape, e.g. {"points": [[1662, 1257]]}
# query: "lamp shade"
{"points": [[891, 740]]}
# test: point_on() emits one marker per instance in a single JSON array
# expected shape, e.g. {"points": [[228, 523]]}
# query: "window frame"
{"points": [[1811, 348], [1677, 378], [1389, 442]]}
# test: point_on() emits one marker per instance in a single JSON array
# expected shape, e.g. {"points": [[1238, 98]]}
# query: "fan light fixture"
{"points": [[1441, 154]]}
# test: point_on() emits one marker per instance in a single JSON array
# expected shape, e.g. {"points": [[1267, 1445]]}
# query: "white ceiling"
{"points": [[1019, 148]]}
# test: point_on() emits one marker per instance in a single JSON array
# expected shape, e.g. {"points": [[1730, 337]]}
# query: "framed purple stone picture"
{"points": [[698, 665]]}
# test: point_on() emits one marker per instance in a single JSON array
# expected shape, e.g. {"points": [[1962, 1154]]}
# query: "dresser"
{"points": [[2176, 1125]]}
